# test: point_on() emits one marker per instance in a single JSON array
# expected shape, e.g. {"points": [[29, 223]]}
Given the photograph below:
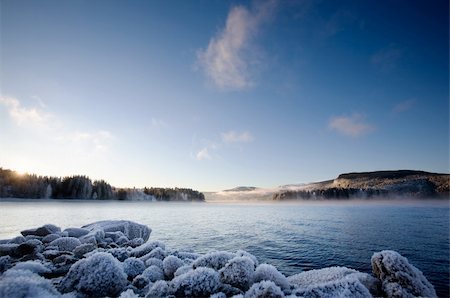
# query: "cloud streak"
{"points": [[403, 106], [22, 115], [352, 126], [236, 137], [228, 59], [386, 59]]}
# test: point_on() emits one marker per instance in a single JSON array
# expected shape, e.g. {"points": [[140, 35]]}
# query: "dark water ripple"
{"points": [[293, 237]]}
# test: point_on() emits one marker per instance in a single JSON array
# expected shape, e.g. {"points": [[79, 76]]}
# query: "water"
{"points": [[293, 237]]}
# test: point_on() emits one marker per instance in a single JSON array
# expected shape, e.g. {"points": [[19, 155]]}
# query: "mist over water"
{"points": [[294, 236]]}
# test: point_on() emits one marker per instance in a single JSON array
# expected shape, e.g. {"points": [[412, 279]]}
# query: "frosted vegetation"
{"points": [[116, 259], [13, 185]]}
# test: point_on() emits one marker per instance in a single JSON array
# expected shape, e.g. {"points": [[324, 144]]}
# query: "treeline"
{"points": [[13, 185], [333, 193]]}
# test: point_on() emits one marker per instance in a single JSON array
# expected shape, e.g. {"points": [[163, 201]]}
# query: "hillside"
{"points": [[401, 183]]}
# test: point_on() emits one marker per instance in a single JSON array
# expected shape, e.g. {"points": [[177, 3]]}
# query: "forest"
{"points": [[31, 186]]}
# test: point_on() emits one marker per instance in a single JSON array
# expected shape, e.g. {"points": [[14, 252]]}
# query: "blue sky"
{"points": [[215, 94]]}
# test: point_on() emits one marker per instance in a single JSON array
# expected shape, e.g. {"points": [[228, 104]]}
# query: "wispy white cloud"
{"points": [[237, 137], [23, 115], [156, 122], [97, 140], [203, 154], [51, 127], [403, 106], [228, 59], [353, 126], [387, 58]]}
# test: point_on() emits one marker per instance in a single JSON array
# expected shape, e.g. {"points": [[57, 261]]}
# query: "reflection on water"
{"points": [[293, 237]]}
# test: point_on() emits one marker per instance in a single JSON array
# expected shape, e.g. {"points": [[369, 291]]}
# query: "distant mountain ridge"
{"points": [[377, 184], [241, 188]]}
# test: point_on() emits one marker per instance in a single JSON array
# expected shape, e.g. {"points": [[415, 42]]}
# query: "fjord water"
{"points": [[293, 237]]}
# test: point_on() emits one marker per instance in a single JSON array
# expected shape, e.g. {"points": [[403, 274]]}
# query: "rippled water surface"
{"points": [[293, 237]]}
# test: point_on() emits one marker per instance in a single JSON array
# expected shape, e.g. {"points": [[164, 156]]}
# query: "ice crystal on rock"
{"points": [[98, 275], [215, 260]]}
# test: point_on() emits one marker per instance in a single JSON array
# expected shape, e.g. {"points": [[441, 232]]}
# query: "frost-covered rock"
{"points": [[399, 278], [32, 246], [215, 260], [65, 243], [24, 283], [182, 270], [42, 231], [157, 253], [171, 264], [5, 263], [264, 289], [98, 275], [154, 261], [332, 275], [49, 238], [76, 232], [17, 240], [184, 255], [243, 253], [128, 294], [201, 282], [343, 288], [120, 253], [150, 275], [133, 267], [32, 266], [238, 272], [129, 228], [269, 272], [159, 289], [147, 248], [82, 249], [8, 249], [218, 295]]}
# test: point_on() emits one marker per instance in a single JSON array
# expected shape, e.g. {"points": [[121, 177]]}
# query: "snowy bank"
{"points": [[115, 259]]}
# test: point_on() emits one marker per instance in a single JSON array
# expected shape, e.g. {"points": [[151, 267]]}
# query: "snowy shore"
{"points": [[116, 258]]}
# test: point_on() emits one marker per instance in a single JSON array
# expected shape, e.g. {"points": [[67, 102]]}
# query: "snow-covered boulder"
{"points": [[147, 248], [215, 260], [171, 264], [243, 253], [82, 249], [49, 238], [66, 243], [269, 272], [154, 261], [182, 270], [201, 282], [76, 232], [332, 274], [343, 288], [238, 272], [98, 275], [264, 289], [32, 266], [159, 289], [399, 278], [150, 275], [157, 253], [5, 263], [128, 294], [130, 229], [24, 283], [133, 267], [42, 231]]}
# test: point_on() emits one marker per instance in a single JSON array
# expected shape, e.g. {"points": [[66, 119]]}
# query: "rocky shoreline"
{"points": [[115, 259]]}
